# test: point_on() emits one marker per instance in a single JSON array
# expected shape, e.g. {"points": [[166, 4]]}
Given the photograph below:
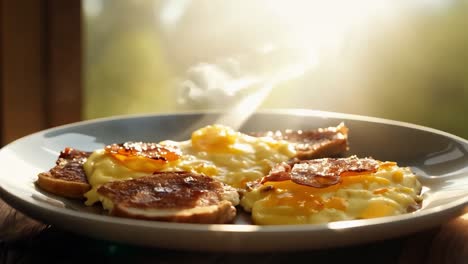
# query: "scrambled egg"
{"points": [[235, 158], [218, 151], [391, 190]]}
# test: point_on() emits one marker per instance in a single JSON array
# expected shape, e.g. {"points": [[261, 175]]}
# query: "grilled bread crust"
{"points": [[313, 144], [223, 213], [67, 178], [172, 196]]}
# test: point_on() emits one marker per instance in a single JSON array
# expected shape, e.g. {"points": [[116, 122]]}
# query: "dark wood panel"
{"points": [[64, 45], [1, 74], [41, 60], [22, 62]]}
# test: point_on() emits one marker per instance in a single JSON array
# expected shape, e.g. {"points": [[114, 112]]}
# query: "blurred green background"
{"points": [[390, 59]]}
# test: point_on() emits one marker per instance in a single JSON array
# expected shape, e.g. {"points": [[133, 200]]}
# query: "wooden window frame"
{"points": [[40, 65]]}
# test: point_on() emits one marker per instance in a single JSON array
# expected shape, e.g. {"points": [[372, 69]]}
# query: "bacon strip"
{"points": [[321, 173], [152, 151]]}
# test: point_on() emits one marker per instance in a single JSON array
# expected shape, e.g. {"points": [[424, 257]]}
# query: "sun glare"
{"points": [[323, 26], [310, 30]]}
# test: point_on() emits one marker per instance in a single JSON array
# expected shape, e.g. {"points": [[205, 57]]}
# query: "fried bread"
{"points": [[315, 143], [67, 178], [171, 196]]}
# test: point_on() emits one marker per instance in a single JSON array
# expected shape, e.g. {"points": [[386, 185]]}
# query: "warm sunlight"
{"points": [[390, 59]]}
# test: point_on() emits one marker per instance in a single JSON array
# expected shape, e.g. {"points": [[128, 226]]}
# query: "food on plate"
{"points": [[67, 178], [280, 177], [315, 143], [218, 151], [119, 162], [213, 150], [171, 196], [331, 189]]}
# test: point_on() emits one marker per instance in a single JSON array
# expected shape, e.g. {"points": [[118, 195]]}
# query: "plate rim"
{"points": [[285, 111]]}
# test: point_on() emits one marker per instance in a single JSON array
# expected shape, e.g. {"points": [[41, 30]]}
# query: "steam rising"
{"points": [[277, 41], [230, 85]]}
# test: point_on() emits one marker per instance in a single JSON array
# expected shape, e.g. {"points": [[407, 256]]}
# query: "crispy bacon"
{"points": [[152, 151], [281, 172], [144, 157], [321, 173]]}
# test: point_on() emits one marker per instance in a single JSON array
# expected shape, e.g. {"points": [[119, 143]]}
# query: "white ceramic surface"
{"points": [[439, 158]]}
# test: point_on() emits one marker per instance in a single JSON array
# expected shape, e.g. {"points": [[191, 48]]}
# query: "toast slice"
{"points": [[67, 178], [316, 143], [171, 196]]}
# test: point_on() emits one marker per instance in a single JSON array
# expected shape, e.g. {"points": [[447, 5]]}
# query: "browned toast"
{"points": [[312, 144], [67, 178], [171, 196]]}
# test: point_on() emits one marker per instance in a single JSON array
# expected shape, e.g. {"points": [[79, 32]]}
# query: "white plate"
{"points": [[439, 158]]}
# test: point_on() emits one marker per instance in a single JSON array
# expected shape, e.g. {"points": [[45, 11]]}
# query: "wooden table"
{"points": [[24, 240]]}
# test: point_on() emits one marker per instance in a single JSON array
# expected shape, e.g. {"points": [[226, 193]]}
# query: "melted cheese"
{"points": [[218, 151], [389, 191]]}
